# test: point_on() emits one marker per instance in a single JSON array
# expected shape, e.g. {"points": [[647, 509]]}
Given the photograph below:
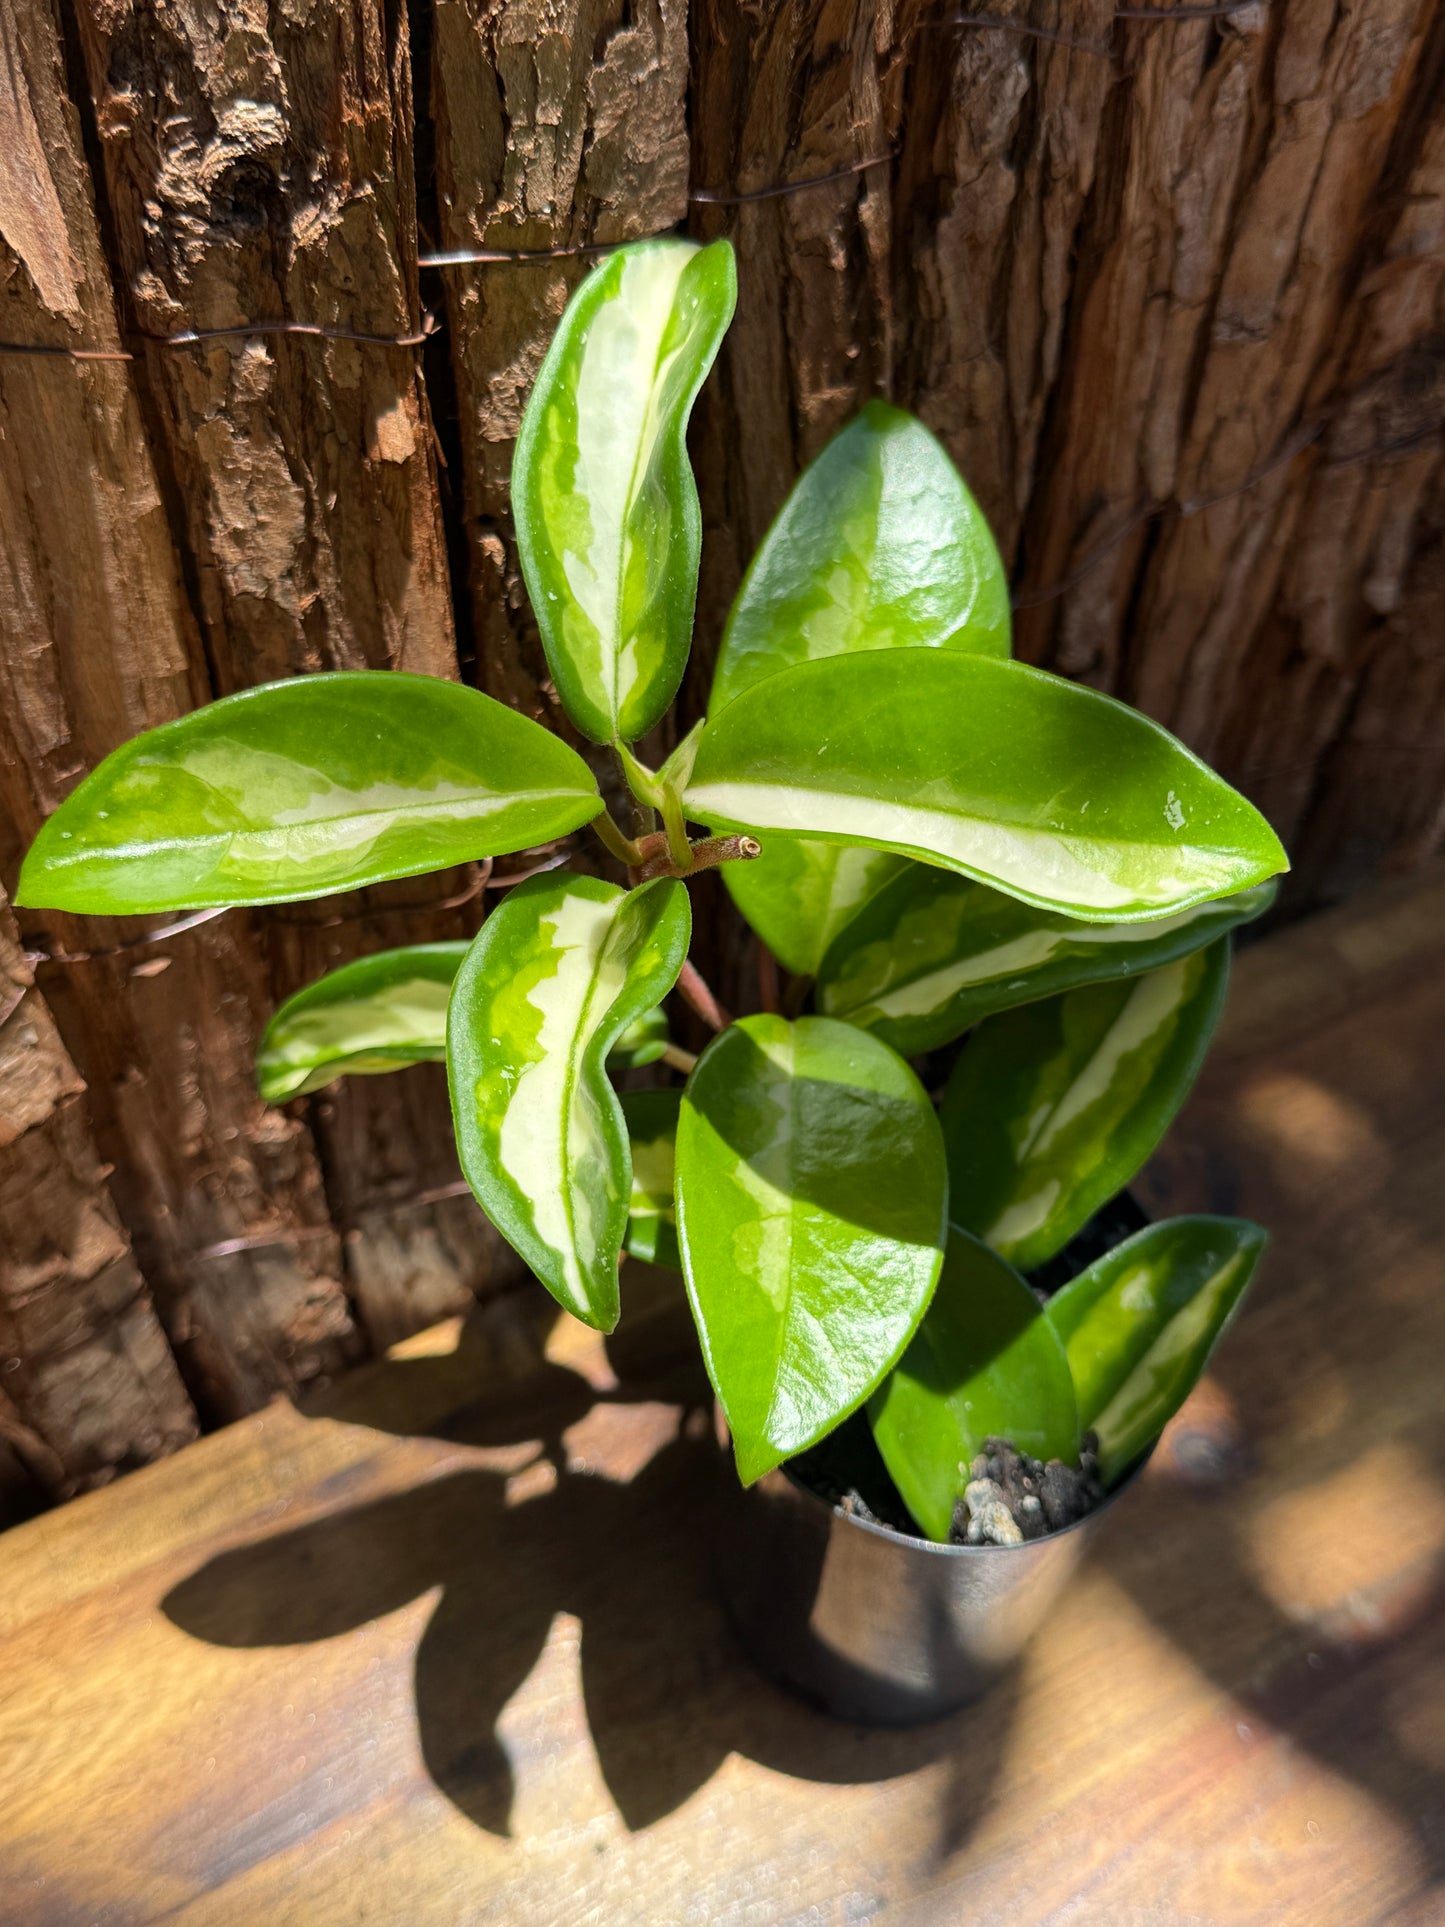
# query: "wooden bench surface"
{"points": [[441, 1648]]}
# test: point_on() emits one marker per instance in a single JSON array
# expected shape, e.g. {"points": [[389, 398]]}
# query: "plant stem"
{"points": [[678, 846], [618, 845], [656, 858], [695, 993], [680, 1059]]}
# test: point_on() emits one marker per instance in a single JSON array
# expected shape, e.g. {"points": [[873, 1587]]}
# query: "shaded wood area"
{"points": [[89, 1382], [1171, 290], [443, 1644]]}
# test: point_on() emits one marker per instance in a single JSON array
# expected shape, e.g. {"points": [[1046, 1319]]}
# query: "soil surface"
{"points": [[1010, 1497]]}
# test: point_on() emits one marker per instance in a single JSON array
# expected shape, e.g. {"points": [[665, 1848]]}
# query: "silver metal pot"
{"points": [[874, 1625]]}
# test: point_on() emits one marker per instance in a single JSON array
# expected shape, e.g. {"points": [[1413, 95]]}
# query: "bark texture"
{"points": [[1171, 295], [99, 643], [258, 169], [89, 1382], [558, 123]]}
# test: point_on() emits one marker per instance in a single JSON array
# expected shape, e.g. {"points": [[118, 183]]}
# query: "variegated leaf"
{"points": [[605, 503], [376, 1014], [559, 971], [1138, 1326], [933, 954], [879, 546], [652, 1218], [1052, 1108], [300, 788]]}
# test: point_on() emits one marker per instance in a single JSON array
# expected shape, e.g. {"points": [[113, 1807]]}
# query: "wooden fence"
{"points": [[1170, 283]]}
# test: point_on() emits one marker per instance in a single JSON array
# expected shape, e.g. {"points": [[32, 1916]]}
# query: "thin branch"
{"points": [[680, 1059], [694, 992], [706, 855], [615, 843]]}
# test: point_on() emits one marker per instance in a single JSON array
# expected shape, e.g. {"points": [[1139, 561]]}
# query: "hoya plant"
{"points": [[935, 841]]}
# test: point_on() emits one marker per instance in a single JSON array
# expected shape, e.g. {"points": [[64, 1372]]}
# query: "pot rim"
{"points": [[917, 1543]]}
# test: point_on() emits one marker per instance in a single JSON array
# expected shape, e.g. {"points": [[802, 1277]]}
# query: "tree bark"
{"points": [[258, 169], [89, 1381], [558, 123], [99, 643]]}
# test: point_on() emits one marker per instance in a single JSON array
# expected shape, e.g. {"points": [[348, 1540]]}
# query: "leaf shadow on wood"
{"points": [[608, 1521], [1311, 1599]]}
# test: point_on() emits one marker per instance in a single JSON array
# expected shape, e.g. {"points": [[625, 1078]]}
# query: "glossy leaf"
{"points": [[652, 1220], [811, 1199], [800, 894], [561, 968], [383, 1012], [1052, 1108], [605, 503], [879, 545], [300, 788], [376, 1014], [1138, 1326], [985, 1363], [934, 953], [1047, 790]]}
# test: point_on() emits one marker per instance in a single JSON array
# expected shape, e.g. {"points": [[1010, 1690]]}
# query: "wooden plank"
{"points": [[444, 1647], [98, 644], [89, 1382]]}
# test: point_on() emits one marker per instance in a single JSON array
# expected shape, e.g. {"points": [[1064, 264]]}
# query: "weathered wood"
{"points": [[89, 1382], [558, 122], [258, 169], [386, 1143], [98, 644], [1121, 277], [459, 1658]]}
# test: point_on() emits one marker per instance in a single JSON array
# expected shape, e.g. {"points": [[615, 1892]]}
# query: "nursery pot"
{"points": [[875, 1625]]}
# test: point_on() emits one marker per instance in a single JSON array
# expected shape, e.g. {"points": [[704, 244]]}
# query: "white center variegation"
{"points": [[1174, 1344], [410, 1013], [1022, 954], [1151, 1009], [1087, 875], [619, 383], [551, 1123]]}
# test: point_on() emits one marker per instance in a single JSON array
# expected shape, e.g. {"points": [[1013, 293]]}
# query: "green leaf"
{"points": [[1138, 1326], [559, 971], [300, 788], [811, 1201], [379, 1013], [934, 953], [1047, 790], [985, 1363], [879, 546], [800, 894], [384, 1012], [1052, 1108], [652, 1220], [641, 1043], [604, 498]]}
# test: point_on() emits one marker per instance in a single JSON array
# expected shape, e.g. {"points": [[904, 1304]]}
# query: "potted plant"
{"points": [[937, 843]]}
